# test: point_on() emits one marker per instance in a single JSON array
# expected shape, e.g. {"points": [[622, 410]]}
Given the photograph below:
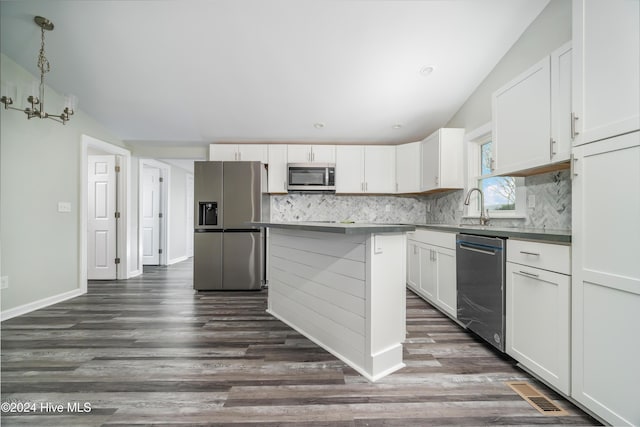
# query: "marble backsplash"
{"points": [[331, 207], [552, 193]]}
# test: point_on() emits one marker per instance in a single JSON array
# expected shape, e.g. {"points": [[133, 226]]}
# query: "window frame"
{"points": [[474, 141]]}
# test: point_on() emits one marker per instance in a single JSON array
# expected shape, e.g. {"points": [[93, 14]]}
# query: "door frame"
{"points": [[123, 202], [165, 174]]}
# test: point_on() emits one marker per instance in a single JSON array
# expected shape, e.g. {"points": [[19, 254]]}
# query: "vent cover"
{"points": [[537, 399]]}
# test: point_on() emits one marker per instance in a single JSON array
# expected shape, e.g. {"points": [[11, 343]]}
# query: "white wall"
{"points": [[550, 30], [40, 166]]}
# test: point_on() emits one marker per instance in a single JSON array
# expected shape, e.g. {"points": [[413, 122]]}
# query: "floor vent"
{"points": [[537, 399]]}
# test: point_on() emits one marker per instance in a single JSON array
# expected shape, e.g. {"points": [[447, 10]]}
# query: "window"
{"points": [[503, 195], [499, 191]]}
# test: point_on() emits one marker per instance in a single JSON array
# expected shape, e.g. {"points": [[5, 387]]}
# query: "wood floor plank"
{"points": [[151, 351]]}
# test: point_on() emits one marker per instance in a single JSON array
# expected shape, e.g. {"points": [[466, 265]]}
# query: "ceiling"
{"points": [[192, 72]]}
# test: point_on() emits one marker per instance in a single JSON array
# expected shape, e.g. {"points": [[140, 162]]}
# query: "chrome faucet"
{"points": [[484, 216]]}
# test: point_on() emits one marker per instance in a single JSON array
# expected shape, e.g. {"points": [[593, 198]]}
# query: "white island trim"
{"points": [[345, 292]]}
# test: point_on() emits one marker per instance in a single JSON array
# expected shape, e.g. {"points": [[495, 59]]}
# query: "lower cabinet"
{"points": [[538, 316], [431, 268]]}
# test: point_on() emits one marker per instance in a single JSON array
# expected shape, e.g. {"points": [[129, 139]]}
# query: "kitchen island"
{"points": [[343, 287]]}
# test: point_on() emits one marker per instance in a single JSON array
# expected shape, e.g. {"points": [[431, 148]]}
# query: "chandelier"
{"points": [[36, 99]]}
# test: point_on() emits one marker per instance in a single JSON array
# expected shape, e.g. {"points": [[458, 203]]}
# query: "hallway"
{"points": [[151, 351]]}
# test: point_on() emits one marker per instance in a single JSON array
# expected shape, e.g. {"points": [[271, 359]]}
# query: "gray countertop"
{"points": [[338, 227], [551, 236]]}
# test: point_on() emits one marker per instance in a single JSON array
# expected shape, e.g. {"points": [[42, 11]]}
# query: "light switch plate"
{"points": [[531, 201], [4, 282], [64, 206]]}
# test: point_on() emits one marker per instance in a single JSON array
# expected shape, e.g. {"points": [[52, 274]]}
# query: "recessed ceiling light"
{"points": [[425, 71], [396, 126], [318, 125]]}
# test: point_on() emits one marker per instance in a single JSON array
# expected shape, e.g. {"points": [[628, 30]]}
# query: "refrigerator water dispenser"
{"points": [[208, 213]]}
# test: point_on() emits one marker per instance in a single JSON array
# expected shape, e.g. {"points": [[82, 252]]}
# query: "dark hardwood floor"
{"points": [[151, 351]]}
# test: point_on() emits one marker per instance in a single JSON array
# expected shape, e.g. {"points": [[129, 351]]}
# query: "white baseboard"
{"points": [[45, 302], [134, 273], [177, 260]]}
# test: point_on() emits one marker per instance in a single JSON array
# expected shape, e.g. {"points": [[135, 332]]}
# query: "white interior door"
{"points": [[151, 216], [101, 218]]}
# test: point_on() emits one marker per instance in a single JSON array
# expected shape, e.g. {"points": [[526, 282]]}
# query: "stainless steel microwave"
{"points": [[311, 177]]}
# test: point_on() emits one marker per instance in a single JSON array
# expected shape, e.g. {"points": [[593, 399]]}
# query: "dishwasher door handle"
{"points": [[474, 248]]}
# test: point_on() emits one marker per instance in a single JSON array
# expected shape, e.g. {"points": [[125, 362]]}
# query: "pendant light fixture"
{"points": [[36, 98]]}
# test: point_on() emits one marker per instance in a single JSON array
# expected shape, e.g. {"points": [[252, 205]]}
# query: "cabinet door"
{"points": [[606, 79], [323, 153], [428, 276], [350, 169], [561, 75], [413, 265], [606, 278], [253, 153], [538, 322], [408, 168], [430, 153], [223, 152], [299, 153], [446, 292], [380, 169], [277, 172], [522, 120]]}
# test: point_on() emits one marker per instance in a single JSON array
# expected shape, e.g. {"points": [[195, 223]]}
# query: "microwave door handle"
{"points": [[326, 176]]}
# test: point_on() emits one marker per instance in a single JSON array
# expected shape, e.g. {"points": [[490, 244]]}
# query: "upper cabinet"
{"points": [[277, 171], [532, 116], [561, 78], [365, 169], [606, 72], [442, 160], [238, 152], [408, 168], [300, 153]]}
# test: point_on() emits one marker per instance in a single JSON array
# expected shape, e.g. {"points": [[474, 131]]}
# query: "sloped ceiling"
{"points": [[199, 71]]}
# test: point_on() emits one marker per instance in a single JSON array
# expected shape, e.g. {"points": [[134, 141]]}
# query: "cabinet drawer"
{"points": [[437, 238], [540, 255]]}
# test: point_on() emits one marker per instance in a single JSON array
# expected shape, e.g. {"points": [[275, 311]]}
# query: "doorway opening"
{"points": [[104, 214], [153, 215]]}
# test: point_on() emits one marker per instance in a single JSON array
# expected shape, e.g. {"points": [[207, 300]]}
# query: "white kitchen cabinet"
{"points": [[606, 72], [277, 176], [532, 116], [431, 268], [413, 262], [238, 152], [538, 304], [561, 82], [442, 160], [521, 113], [365, 169], [606, 276], [301, 153], [408, 168]]}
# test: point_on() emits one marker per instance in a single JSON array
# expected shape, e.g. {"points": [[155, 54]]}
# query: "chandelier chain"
{"points": [[43, 62]]}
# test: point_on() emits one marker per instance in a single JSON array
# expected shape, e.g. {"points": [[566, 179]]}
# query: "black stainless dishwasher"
{"points": [[480, 266]]}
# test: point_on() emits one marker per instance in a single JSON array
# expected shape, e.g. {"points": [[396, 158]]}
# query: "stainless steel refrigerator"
{"points": [[229, 253]]}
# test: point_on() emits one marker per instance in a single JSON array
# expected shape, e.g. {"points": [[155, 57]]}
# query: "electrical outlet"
{"points": [[4, 282], [531, 201], [428, 207], [387, 208], [64, 207]]}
